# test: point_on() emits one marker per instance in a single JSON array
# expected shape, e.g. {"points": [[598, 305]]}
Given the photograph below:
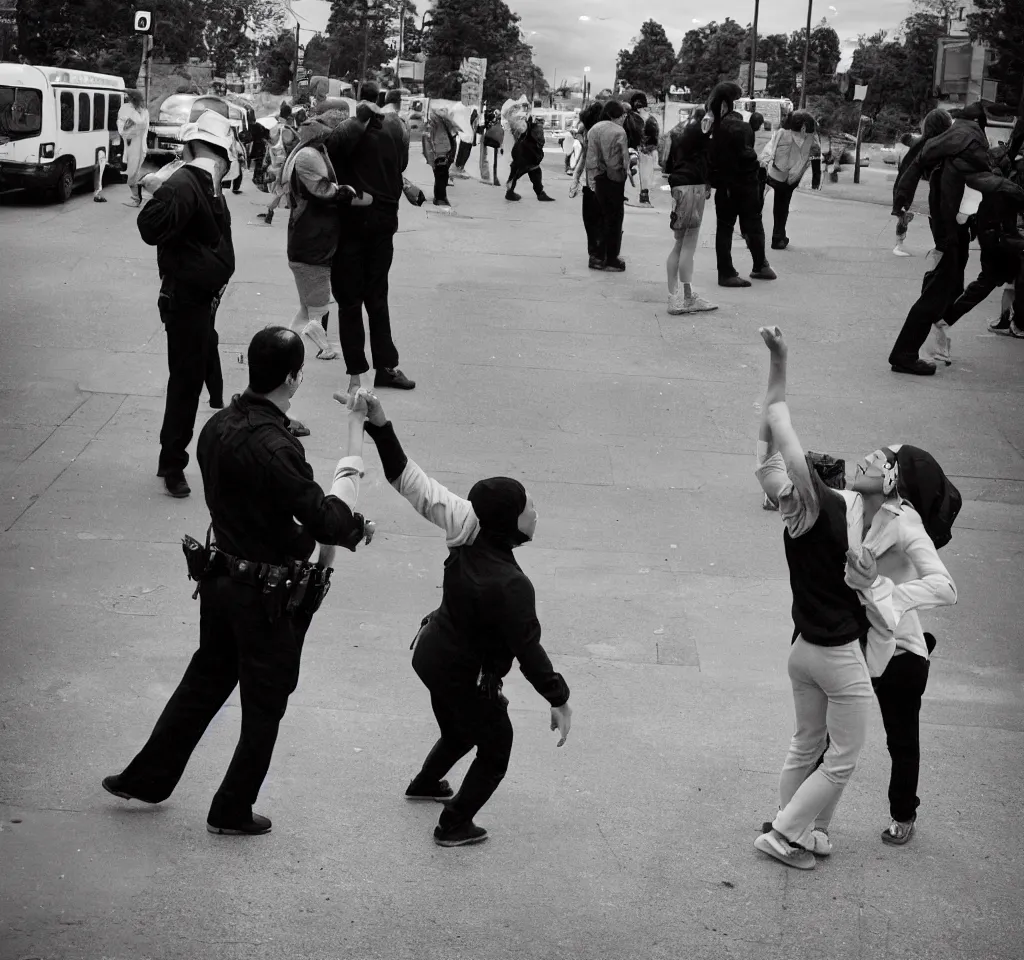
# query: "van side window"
{"points": [[83, 112], [98, 110], [113, 108], [67, 111]]}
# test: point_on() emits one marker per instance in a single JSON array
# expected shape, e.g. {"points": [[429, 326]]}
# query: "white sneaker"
{"points": [[697, 304], [898, 251], [775, 845], [677, 304], [316, 333], [822, 846]]}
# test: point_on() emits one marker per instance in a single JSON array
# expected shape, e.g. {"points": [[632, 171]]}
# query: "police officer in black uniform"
{"points": [[257, 591]]}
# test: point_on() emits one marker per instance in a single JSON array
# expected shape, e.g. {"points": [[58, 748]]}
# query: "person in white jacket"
{"points": [[909, 506], [791, 150], [133, 126]]}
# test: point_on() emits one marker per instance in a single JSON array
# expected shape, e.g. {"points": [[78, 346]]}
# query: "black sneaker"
{"points": [[1002, 322], [439, 792], [596, 263], [764, 272], [735, 281], [461, 836], [217, 403], [118, 788], [392, 377], [176, 484], [615, 266], [780, 244], [512, 195], [544, 198], [912, 365], [250, 828], [297, 428]]}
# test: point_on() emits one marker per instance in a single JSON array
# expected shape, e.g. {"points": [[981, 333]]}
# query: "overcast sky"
{"points": [[563, 45]]}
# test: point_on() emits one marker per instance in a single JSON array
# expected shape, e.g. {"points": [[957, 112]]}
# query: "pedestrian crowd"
{"points": [[862, 550]]}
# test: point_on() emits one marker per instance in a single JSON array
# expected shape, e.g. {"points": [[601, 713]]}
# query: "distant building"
{"points": [[962, 67]]}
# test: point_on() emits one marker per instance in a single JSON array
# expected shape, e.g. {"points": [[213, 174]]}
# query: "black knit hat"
{"points": [[497, 503]]}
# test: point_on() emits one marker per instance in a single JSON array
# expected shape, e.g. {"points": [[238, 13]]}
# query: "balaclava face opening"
{"points": [[498, 503]]}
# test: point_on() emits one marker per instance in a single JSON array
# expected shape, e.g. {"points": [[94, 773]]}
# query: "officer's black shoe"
{"points": [[251, 828], [392, 377], [116, 785], [439, 791], [544, 198], [217, 403], [461, 836], [176, 484]]}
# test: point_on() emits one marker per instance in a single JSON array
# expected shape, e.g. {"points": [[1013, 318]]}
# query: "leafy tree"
{"points": [[275, 61], [469, 28], [999, 24], [921, 33], [316, 58], [881, 63], [774, 51], [709, 54], [649, 65], [516, 75], [363, 36]]}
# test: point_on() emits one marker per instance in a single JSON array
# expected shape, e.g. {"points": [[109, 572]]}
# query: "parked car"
{"points": [[181, 108]]}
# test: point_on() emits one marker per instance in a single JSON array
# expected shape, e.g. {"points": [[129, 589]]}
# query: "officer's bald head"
{"points": [[275, 353]]}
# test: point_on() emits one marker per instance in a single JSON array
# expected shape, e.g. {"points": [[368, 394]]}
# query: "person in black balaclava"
{"points": [[464, 649]]}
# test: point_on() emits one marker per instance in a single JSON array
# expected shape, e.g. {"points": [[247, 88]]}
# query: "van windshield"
{"points": [[21, 113]]}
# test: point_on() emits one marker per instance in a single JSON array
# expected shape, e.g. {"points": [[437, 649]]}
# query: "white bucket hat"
{"points": [[211, 128]]}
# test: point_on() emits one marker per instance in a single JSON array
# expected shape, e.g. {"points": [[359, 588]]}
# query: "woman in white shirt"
{"points": [[909, 506]]}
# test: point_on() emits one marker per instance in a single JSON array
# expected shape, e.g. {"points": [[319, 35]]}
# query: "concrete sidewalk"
{"points": [[661, 588]]}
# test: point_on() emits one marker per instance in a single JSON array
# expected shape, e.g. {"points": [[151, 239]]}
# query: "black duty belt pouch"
{"points": [[198, 559]]}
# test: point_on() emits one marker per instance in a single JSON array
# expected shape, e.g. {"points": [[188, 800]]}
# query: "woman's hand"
{"points": [[772, 337], [374, 410], [561, 720]]}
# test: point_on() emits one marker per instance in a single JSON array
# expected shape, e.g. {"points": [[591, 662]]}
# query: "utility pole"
{"points": [[807, 53], [295, 64], [401, 38], [753, 51]]}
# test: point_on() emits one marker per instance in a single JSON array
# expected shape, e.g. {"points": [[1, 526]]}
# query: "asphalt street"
{"points": [[661, 585]]}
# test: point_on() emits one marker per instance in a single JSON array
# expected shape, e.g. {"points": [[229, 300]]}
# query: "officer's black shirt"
{"points": [[258, 484]]}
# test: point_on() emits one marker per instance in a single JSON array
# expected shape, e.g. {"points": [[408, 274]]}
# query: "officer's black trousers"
{"points": [[188, 326], [468, 720], [238, 645]]}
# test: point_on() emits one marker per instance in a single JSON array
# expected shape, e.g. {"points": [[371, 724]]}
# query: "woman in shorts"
{"points": [[687, 169]]}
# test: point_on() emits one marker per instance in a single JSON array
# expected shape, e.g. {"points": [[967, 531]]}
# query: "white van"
{"points": [[54, 124]]}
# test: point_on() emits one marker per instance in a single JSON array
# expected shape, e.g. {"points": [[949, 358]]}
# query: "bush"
{"points": [[889, 125]]}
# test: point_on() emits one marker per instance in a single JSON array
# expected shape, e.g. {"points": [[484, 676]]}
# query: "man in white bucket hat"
{"points": [[188, 222]]}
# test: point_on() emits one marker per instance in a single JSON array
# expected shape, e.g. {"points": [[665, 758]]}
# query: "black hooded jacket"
{"points": [[488, 613]]}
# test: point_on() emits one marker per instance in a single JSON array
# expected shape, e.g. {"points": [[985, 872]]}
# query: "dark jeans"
{"points": [[462, 157], [738, 201], [610, 199], [941, 287], [899, 690], [536, 178], [238, 645], [188, 326], [593, 223], [997, 268], [780, 208], [468, 720], [359, 275], [441, 181]]}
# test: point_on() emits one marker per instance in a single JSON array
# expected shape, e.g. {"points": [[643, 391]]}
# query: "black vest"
{"points": [[826, 611]]}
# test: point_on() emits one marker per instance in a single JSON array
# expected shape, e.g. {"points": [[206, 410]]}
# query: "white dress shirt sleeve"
{"points": [[436, 503]]}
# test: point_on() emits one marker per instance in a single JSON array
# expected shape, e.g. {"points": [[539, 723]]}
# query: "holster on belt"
{"points": [[489, 684], [198, 558]]}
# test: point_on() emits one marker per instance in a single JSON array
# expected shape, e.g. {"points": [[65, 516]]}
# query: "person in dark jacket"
{"points": [[593, 222], [734, 173], [952, 161], [464, 649], [188, 222], [1002, 248], [370, 155], [527, 156], [267, 515], [687, 169]]}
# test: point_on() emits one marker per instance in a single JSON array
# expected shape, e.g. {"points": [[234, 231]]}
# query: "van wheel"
{"points": [[66, 184]]}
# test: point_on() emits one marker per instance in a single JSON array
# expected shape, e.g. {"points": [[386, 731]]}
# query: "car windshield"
{"points": [[175, 108], [208, 103], [21, 113]]}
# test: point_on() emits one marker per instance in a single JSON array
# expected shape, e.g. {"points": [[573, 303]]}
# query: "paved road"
{"points": [[661, 586]]}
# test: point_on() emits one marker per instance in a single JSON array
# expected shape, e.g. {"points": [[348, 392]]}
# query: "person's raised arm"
{"points": [[430, 499], [785, 478]]}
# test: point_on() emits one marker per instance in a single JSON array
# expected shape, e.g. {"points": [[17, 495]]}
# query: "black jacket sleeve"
{"points": [[168, 213], [326, 517], [392, 456], [520, 630]]}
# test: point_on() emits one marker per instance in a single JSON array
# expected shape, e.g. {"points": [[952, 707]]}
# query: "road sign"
{"points": [[143, 21]]}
